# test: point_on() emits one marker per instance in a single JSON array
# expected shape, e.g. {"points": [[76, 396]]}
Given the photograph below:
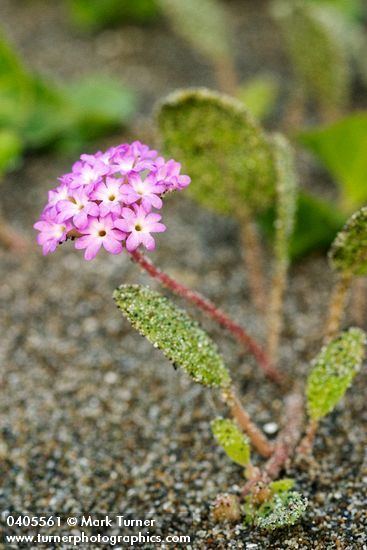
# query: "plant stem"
{"points": [[288, 437], [358, 301], [257, 438], [216, 314], [227, 79], [254, 261], [284, 446], [294, 112], [337, 305], [306, 444], [226, 75], [275, 319], [11, 239]]}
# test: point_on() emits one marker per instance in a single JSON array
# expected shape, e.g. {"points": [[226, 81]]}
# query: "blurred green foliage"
{"points": [[203, 24], [259, 94], [342, 148], [44, 115], [316, 40], [286, 184], [352, 9], [317, 222], [10, 150], [92, 15]]}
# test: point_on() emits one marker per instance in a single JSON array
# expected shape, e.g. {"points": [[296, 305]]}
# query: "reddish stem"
{"points": [[206, 305], [305, 447], [256, 436], [11, 239], [289, 436], [285, 444]]}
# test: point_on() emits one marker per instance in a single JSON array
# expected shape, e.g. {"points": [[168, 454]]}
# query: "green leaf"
{"points": [[50, 117], [15, 86], [314, 37], [95, 14], [351, 9], [316, 223], [233, 441], [342, 147], [348, 253], [259, 95], [286, 185], [219, 144], [45, 115], [283, 510], [10, 150], [333, 371], [281, 485], [100, 103], [203, 24], [172, 331]]}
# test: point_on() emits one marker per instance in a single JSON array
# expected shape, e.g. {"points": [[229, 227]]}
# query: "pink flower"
{"points": [[91, 201], [136, 157], [139, 225], [104, 157], [169, 172], [85, 175], [145, 191], [61, 193], [51, 233], [100, 232], [110, 195], [77, 207]]}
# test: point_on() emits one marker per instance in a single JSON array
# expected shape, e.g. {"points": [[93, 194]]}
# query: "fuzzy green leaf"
{"points": [[232, 440], [172, 331], [203, 24], [333, 371], [314, 37], [286, 185], [281, 485], [219, 144], [283, 510], [348, 253], [341, 147]]}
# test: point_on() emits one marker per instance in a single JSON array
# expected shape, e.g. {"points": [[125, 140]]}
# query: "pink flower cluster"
{"points": [[108, 200]]}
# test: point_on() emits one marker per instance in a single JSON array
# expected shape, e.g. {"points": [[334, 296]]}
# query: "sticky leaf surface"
{"points": [[172, 331], [348, 253], [232, 440], [222, 148], [283, 510], [333, 371]]}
